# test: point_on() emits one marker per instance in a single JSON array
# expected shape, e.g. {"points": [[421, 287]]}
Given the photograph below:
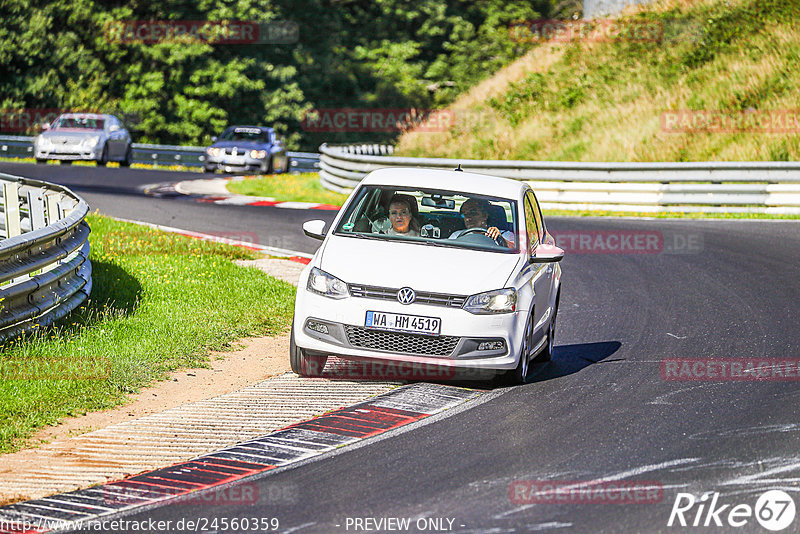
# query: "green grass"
{"points": [[605, 99], [304, 187], [159, 302]]}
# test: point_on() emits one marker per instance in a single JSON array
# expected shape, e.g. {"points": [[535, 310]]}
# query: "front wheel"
{"points": [[518, 375], [547, 353], [303, 364], [40, 161], [128, 157], [104, 157]]}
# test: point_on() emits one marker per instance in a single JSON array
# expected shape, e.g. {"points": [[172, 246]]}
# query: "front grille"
{"points": [[366, 338], [423, 297], [66, 141]]}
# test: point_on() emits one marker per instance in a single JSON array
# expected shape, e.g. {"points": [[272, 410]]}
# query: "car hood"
{"points": [[76, 133], [247, 145], [423, 268]]}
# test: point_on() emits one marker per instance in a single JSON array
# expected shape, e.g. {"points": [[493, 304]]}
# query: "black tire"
{"points": [[40, 161], [270, 167], [66, 162], [547, 353], [128, 157], [208, 169], [520, 373], [303, 364], [104, 157]]}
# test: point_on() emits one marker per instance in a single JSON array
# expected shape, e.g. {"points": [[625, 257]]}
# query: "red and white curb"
{"points": [[293, 255], [294, 443], [215, 191]]}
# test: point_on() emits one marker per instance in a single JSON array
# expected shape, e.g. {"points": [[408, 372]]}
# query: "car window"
{"points": [[242, 133], [79, 122], [430, 216], [532, 225]]}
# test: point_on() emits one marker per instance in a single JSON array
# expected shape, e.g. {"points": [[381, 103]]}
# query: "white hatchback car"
{"points": [[407, 275]]}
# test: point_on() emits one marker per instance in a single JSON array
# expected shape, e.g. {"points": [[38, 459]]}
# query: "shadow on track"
{"points": [[569, 359]]}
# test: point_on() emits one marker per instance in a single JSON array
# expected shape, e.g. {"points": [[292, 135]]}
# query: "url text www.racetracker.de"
{"points": [[199, 524]]}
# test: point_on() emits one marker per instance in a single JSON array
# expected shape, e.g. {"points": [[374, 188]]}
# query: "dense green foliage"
{"points": [[350, 53]]}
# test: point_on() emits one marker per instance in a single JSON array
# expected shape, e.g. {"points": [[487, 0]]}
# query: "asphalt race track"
{"points": [[605, 409], [119, 192]]}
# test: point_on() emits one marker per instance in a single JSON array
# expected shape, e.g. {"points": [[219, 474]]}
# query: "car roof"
{"points": [[467, 182]]}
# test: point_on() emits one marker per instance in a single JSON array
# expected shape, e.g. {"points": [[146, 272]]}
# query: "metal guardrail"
{"points": [[12, 146], [44, 254], [767, 187]]}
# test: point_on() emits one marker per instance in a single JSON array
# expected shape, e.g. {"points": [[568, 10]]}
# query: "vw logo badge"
{"points": [[406, 295], [235, 151]]}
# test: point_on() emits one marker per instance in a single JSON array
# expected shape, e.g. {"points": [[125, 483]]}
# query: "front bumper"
{"points": [[458, 344], [71, 153], [234, 163]]}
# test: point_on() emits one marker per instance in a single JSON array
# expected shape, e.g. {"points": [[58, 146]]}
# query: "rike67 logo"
{"points": [[774, 510]]}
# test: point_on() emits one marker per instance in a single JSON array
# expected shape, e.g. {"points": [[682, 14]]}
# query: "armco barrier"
{"points": [[13, 146], [44, 254], [765, 187]]}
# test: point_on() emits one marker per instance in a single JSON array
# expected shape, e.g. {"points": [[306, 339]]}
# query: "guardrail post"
{"points": [[51, 202], [11, 203], [36, 207]]}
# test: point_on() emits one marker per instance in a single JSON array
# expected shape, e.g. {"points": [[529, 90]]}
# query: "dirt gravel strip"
{"points": [[178, 434], [193, 479]]}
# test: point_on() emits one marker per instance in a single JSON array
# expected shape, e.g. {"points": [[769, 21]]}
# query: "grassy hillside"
{"points": [[590, 99]]}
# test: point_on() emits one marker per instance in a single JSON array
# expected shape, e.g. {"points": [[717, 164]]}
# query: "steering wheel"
{"points": [[499, 240]]}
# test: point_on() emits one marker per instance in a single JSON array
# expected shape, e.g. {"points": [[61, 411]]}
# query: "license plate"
{"points": [[401, 322]]}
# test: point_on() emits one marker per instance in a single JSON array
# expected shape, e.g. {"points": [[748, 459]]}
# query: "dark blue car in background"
{"points": [[247, 148]]}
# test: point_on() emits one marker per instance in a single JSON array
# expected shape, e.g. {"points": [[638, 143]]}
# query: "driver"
{"points": [[476, 215]]}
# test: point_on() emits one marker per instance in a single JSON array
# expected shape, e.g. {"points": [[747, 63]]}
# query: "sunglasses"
{"points": [[471, 213]]}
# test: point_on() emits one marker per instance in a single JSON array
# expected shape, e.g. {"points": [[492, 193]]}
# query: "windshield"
{"points": [[85, 123], [243, 134], [432, 217]]}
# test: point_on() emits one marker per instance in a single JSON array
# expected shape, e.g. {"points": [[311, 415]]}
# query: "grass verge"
{"points": [[303, 187], [159, 302]]}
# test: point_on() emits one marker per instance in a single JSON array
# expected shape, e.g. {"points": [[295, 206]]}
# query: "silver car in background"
{"points": [[84, 137]]}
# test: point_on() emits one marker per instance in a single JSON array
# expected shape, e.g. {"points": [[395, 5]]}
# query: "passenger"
{"points": [[402, 214], [476, 215]]}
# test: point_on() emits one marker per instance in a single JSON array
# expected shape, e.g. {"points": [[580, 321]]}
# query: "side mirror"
{"points": [[45, 126], [113, 128], [213, 138], [544, 253], [314, 229]]}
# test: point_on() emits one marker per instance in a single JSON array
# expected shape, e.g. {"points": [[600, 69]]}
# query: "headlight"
{"points": [[325, 284], [42, 141], [497, 301], [211, 151], [258, 154], [91, 141]]}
